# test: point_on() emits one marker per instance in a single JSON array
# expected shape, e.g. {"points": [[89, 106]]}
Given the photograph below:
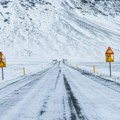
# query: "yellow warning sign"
{"points": [[2, 60], [2, 64], [109, 55]]}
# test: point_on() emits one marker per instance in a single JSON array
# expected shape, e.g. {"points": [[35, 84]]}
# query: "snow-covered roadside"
{"points": [[102, 69], [15, 69], [98, 101]]}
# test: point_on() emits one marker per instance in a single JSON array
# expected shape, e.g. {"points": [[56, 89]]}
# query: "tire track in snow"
{"points": [[44, 106], [76, 112], [64, 115], [58, 77]]}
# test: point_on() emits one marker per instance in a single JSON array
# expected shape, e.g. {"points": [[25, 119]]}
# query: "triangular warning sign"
{"points": [[109, 51]]}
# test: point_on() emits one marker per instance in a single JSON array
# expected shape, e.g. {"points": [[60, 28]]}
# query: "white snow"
{"points": [[58, 93], [97, 101], [34, 33], [14, 69], [56, 30]]}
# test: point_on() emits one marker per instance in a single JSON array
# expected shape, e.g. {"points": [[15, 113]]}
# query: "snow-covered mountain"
{"points": [[48, 29]]}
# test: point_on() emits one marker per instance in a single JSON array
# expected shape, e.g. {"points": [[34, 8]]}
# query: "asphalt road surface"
{"points": [[59, 93]]}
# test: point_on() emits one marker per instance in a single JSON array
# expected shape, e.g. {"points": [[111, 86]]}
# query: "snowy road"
{"points": [[58, 93]]}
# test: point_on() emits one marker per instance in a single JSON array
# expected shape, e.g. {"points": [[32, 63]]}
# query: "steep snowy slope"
{"points": [[38, 29]]}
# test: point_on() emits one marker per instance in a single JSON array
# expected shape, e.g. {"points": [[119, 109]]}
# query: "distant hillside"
{"points": [[48, 29]]}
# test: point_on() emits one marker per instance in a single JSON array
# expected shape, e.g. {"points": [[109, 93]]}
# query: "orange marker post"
{"points": [[94, 69]]}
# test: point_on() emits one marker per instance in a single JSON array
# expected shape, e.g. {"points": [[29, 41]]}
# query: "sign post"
{"points": [[2, 74], [109, 58], [110, 68], [2, 63]]}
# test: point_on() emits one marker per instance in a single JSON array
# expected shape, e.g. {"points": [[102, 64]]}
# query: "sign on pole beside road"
{"points": [[109, 54], [2, 63]]}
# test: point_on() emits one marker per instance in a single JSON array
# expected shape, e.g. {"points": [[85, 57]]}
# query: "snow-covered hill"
{"points": [[75, 29]]}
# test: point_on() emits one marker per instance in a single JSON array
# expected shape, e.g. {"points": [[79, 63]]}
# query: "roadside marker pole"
{"points": [[110, 68], [24, 71], [2, 73], [94, 69]]}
